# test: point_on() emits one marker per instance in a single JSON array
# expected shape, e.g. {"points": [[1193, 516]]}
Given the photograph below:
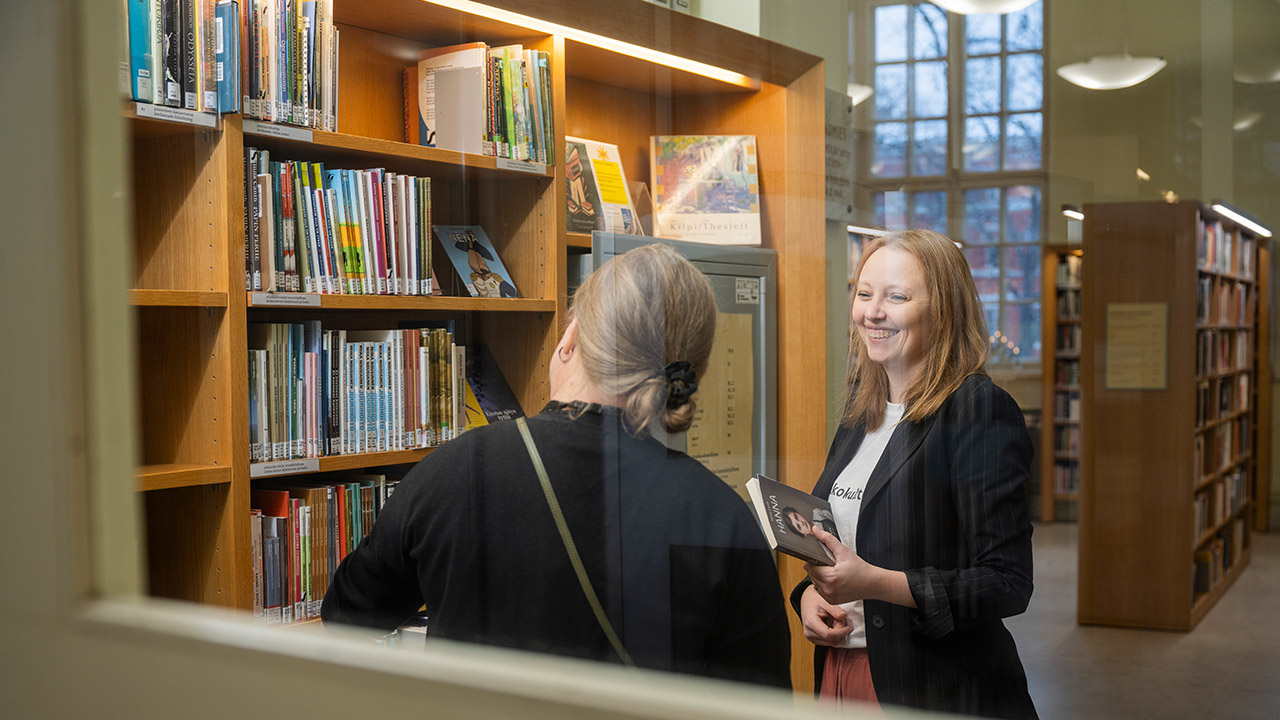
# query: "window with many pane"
{"points": [[911, 91], [1004, 91], [967, 163]]}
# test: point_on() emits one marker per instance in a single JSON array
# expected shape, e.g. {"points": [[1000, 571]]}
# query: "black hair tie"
{"points": [[681, 383]]}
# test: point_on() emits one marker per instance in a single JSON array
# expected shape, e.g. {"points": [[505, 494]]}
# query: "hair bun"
{"points": [[681, 383]]}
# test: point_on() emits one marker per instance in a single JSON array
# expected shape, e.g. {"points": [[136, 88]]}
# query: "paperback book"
{"points": [[476, 261], [489, 397], [596, 189], [787, 517], [705, 188]]}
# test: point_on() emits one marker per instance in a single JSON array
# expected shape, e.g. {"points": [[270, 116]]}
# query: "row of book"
{"points": [[1223, 498], [1068, 271], [1066, 440], [182, 54], [289, 67], [1066, 405], [1066, 477], [1220, 301], [1066, 372], [1224, 250], [300, 530], [1068, 303], [1218, 398], [357, 232], [1210, 564], [316, 392], [1068, 338], [1223, 351], [494, 101], [1222, 446]]}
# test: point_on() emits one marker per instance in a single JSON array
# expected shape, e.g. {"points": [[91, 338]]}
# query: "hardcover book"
{"points": [[476, 261], [705, 188], [596, 189], [787, 517], [451, 97]]}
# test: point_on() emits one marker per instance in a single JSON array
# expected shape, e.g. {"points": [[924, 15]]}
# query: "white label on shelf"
{"points": [[287, 132], [523, 166], [285, 299], [284, 467], [178, 115], [747, 291]]}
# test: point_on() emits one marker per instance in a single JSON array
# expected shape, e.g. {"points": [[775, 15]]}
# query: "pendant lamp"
{"points": [[1111, 72], [859, 92], [982, 7]]}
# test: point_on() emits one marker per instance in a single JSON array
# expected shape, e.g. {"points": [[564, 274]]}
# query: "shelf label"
{"points": [[178, 115], [284, 299], [284, 467], [747, 291], [523, 166], [285, 132]]}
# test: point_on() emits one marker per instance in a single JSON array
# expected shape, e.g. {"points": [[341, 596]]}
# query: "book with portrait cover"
{"points": [[705, 188], [787, 516], [476, 261]]}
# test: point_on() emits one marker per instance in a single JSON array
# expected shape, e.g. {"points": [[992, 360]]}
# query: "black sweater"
{"points": [[674, 555]]}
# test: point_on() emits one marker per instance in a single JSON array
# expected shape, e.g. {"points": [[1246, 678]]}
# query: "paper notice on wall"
{"points": [[720, 437], [1137, 351]]}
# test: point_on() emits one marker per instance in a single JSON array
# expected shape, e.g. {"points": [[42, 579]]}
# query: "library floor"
{"points": [[1228, 667]]}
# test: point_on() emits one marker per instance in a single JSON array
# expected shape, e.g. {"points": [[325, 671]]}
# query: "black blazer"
{"points": [[947, 504]]}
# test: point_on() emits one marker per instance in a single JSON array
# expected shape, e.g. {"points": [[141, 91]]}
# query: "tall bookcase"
{"points": [[193, 311], [1175, 381], [1060, 425]]}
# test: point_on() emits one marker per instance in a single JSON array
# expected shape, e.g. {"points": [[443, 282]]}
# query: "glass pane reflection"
{"points": [[1026, 81], [1021, 332], [931, 89], [891, 33], [929, 211], [1022, 272], [1022, 141], [929, 148], [982, 34], [982, 85], [930, 31], [1022, 221], [1026, 28], [891, 92], [985, 264], [890, 150], [982, 144], [982, 216]]}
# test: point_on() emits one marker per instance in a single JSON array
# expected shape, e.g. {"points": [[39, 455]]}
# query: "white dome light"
{"points": [[1111, 72], [982, 7]]}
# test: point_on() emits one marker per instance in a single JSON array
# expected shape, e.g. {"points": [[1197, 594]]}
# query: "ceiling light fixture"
{"points": [[982, 7], [1111, 72], [1072, 212], [1238, 218], [859, 92]]}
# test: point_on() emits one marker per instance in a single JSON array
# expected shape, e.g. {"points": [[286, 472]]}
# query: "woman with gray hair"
{"points": [[576, 532]]}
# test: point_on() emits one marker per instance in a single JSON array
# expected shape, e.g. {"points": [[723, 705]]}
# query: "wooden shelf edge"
{"points": [[176, 298], [578, 240], [408, 302], [167, 477], [320, 141], [305, 466]]}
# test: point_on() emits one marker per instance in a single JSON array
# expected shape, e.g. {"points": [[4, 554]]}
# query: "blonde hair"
{"points": [[636, 314], [958, 343]]}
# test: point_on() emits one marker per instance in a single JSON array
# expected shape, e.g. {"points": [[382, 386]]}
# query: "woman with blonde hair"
{"points": [[926, 477], [672, 570]]}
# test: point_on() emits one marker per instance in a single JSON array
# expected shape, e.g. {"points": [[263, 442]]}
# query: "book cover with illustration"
{"points": [[476, 261], [489, 397], [596, 189], [706, 188], [787, 517]]}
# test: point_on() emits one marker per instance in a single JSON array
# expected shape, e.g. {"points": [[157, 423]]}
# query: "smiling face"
{"points": [[890, 310]]}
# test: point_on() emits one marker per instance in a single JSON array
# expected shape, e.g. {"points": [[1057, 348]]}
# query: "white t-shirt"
{"points": [[846, 503]]}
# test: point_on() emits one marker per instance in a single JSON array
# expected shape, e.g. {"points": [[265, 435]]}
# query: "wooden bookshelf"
{"points": [[1060, 427], [193, 311], [1176, 410]]}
